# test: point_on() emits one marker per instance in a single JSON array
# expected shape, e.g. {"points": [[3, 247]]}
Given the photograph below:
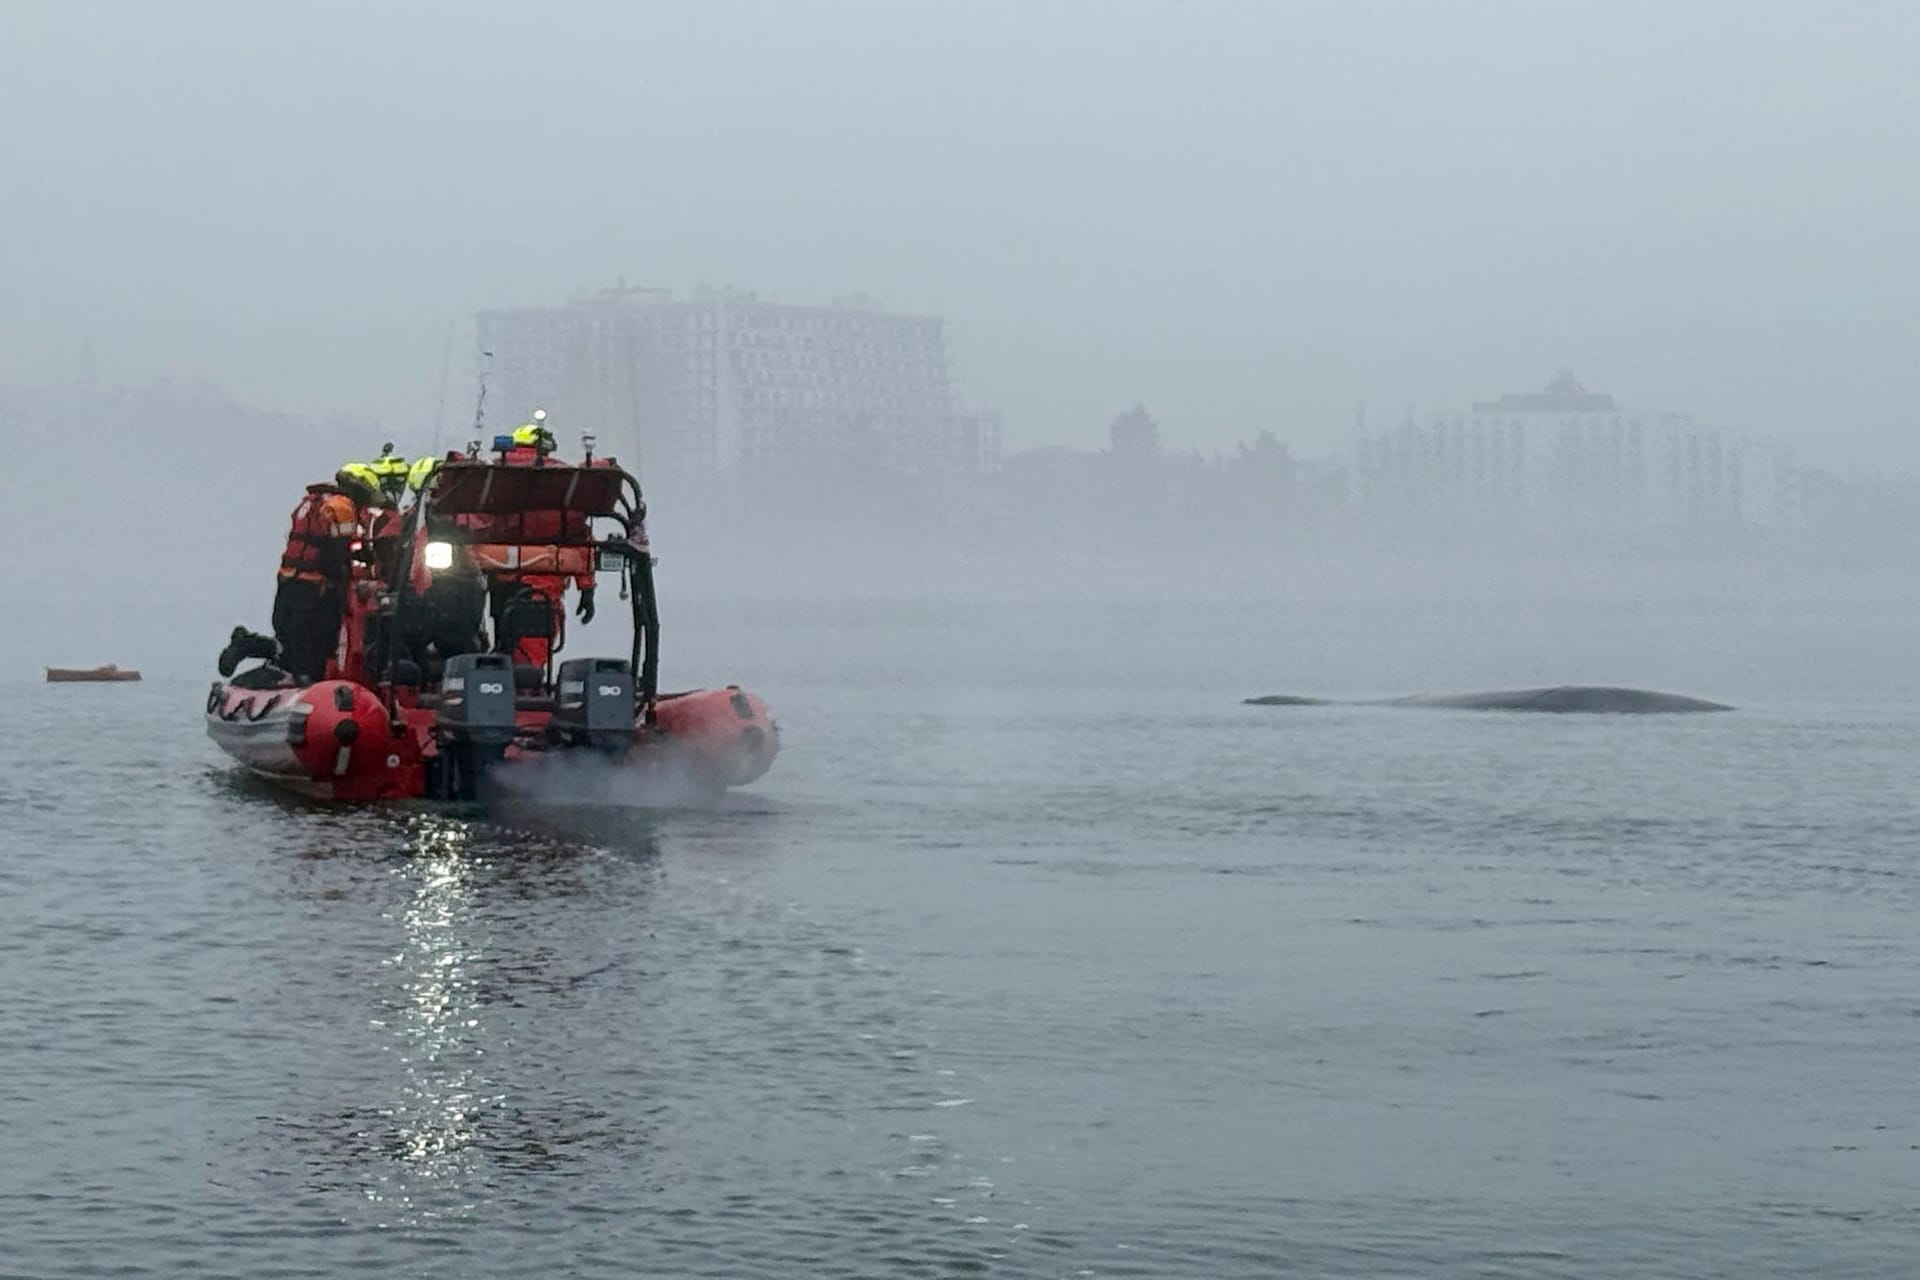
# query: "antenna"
{"points": [[440, 412], [480, 405]]}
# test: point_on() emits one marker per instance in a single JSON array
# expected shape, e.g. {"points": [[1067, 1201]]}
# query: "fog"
{"points": [[1343, 349], [241, 243]]}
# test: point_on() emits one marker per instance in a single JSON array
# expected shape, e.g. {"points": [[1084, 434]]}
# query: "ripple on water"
{"points": [[976, 991]]}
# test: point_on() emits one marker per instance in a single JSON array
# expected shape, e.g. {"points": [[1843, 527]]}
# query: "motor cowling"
{"points": [[476, 700], [594, 704], [474, 722]]}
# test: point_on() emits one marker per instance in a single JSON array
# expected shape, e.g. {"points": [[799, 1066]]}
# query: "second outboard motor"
{"points": [[475, 722], [595, 704]]}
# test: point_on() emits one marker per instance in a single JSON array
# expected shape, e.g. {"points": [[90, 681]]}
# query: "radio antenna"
{"points": [[480, 405], [440, 411]]}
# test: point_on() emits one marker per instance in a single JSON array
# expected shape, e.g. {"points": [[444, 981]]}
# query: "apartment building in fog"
{"points": [[1572, 458], [692, 386]]}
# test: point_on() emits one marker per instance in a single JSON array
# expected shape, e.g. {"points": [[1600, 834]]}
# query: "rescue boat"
{"points": [[385, 725]]}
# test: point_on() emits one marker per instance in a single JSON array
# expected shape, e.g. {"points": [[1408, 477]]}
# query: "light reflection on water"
{"points": [[437, 1036], [455, 1087]]}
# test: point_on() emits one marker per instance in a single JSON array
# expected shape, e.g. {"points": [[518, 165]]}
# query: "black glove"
{"points": [[585, 611]]}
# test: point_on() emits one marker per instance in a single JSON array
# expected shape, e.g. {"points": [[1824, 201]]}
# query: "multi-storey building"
{"points": [[723, 379], [1572, 458]]}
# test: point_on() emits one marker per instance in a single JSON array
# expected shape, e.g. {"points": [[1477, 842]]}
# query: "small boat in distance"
{"points": [[108, 674]]}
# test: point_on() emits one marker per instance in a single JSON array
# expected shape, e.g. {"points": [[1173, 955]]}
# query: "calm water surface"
{"points": [[1037, 955]]}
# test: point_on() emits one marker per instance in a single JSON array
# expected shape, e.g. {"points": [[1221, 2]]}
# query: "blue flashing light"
{"points": [[502, 444]]}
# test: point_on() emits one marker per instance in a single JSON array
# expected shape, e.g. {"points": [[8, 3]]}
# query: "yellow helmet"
{"points": [[389, 471], [534, 434], [359, 480], [417, 474], [388, 463]]}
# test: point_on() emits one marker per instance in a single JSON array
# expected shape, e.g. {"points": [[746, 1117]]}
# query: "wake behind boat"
{"points": [[410, 699]]}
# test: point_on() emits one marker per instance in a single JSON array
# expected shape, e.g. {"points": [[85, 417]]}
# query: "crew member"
{"points": [[314, 570], [386, 479], [421, 469], [390, 472], [446, 605], [533, 443], [535, 534]]}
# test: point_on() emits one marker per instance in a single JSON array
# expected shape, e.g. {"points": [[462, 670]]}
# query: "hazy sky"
{"points": [[1246, 215]]}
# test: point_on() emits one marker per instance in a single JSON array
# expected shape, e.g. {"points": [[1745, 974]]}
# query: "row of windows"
{"points": [[566, 345], [894, 352], [1727, 498], [1515, 451], [897, 343], [1567, 421], [550, 366], [708, 353], [894, 373], [798, 319], [1691, 470]]}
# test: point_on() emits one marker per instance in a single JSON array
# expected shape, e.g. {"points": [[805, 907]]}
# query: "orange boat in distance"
{"points": [[108, 674]]}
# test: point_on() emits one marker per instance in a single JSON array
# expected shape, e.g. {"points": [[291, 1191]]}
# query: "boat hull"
{"points": [[90, 675], [727, 736], [335, 740]]}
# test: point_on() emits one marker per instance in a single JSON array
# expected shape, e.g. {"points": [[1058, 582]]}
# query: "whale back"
{"points": [[1580, 699], [1590, 699]]}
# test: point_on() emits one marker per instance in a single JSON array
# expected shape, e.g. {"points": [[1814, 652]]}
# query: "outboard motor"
{"points": [[475, 721], [595, 706]]}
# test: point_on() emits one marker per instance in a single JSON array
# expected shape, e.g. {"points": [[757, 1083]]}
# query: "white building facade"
{"points": [[1568, 458], [723, 379]]}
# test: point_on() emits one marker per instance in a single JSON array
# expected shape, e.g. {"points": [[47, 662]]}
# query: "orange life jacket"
{"points": [[321, 537], [530, 529], [527, 560]]}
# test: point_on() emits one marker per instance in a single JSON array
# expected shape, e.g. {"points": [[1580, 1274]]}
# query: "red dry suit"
{"points": [[383, 543], [314, 568], [517, 552]]}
